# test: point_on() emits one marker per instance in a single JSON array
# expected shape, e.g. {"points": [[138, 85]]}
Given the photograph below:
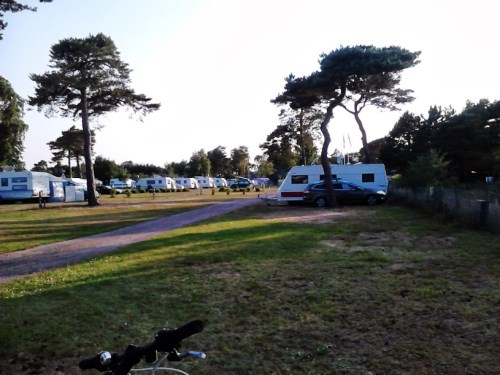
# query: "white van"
{"points": [[371, 176]]}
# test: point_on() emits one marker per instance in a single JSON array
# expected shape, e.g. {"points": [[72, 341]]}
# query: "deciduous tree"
{"points": [[240, 161], [12, 126], [199, 164], [219, 162]]}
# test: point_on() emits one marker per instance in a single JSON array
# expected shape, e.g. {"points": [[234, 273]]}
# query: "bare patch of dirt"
{"points": [[312, 215]]}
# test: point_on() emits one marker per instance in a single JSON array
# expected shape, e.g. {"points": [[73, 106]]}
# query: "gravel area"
{"points": [[27, 262]]}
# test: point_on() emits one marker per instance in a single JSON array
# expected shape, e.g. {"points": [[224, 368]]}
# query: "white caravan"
{"points": [[27, 185], [371, 176], [76, 189], [205, 182], [155, 182], [187, 182], [122, 184], [220, 182]]}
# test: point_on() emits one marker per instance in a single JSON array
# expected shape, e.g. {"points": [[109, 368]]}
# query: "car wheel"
{"points": [[371, 200], [320, 202]]}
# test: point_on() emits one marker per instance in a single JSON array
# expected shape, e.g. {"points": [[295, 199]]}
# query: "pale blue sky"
{"points": [[214, 65]]}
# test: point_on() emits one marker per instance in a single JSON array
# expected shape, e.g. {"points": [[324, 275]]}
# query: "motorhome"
{"points": [[155, 182], [372, 176], [29, 186], [205, 182]]}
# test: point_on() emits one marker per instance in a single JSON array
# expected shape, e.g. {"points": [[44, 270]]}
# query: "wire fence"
{"points": [[475, 209]]}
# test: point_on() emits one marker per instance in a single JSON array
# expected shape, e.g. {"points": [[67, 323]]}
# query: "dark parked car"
{"points": [[345, 193], [106, 189], [241, 183]]}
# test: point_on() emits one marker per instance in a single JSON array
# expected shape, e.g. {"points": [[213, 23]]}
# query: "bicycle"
{"points": [[167, 343]]}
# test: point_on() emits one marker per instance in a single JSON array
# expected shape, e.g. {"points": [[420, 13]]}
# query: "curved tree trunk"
{"points": [[364, 140], [327, 171], [330, 192], [87, 151]]}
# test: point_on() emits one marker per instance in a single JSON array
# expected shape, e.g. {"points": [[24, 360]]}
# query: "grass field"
{"points": [[23, 226], [282, 290]]}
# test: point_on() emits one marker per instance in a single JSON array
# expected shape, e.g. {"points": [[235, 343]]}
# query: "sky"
{"points": [[214, 65]]}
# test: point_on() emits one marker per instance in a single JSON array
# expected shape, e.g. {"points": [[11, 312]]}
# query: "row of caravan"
{"points": [[168, 183], [26, 185]]}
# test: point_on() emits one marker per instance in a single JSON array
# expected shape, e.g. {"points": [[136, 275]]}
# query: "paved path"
{"points": [[26, 262]]}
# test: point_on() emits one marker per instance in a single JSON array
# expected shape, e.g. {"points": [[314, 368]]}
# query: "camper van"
{"points": [[371, 176], [155, 182], [29, 186], [187, 182]]}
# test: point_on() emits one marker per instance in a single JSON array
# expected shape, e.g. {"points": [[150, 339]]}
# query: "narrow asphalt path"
{"points": [[27, 262]]}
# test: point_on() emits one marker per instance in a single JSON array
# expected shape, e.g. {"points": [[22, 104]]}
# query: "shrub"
{"points": [[430, 169]]}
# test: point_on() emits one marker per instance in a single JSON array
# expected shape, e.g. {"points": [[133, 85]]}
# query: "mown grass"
{"points": [[375, 290], [26, 225]]}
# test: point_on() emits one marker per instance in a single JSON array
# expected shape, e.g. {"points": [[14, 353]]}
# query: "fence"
{"points": [[476, 209]]}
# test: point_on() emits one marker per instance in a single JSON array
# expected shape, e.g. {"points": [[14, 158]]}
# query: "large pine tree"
{"points": [[87, 79]]}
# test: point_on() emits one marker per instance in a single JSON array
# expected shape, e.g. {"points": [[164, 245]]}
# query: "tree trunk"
{"points": [[327, 171], [78, 166], [368, 156], [330, 192], [87, 151], [69, 164], [301, 137]]}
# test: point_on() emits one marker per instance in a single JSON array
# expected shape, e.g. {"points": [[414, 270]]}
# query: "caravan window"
{"points": [[19, 187], [368, 177], [5, 182], [19, 179], [300, 179], [150, 182]]}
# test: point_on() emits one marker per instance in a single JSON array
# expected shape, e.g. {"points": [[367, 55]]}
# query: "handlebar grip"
{"points": [[94, 362], [130, 358], [165, 339]]}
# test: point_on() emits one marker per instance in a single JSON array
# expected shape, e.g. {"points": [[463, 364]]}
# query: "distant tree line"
{"points": [[445, 147], [216, 163]]}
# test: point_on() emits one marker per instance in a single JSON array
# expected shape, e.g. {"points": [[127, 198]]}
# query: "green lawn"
{"points": [[23, 226], [378, 290]]}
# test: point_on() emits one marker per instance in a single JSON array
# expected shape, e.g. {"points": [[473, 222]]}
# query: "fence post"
{"points": [[483, 213]]}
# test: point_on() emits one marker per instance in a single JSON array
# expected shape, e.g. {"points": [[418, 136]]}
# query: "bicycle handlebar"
{"points": [[166, 340]]}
